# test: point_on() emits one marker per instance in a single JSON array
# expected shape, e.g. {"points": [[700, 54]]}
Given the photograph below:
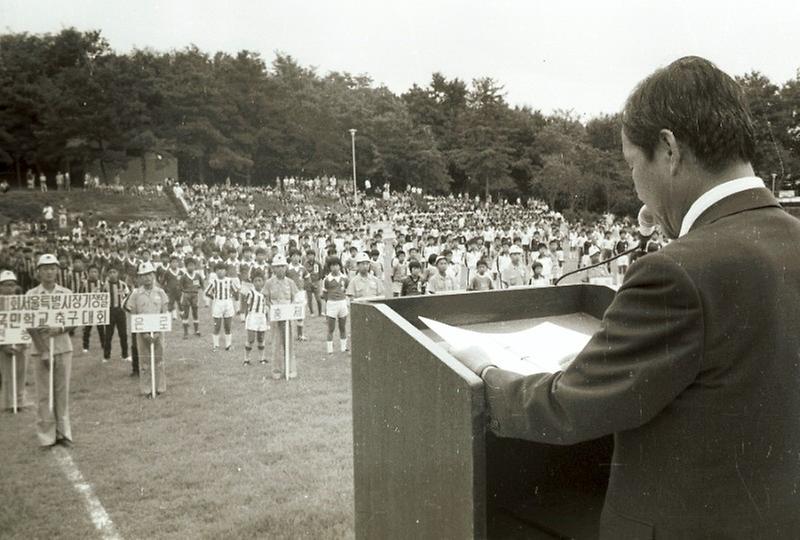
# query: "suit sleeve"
{"points": [[648, 350]]}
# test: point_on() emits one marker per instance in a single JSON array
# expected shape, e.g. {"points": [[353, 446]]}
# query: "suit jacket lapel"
{"points": [[736, 203]]}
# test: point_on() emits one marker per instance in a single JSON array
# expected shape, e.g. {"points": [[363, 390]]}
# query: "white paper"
{"points": [[544, 348]]}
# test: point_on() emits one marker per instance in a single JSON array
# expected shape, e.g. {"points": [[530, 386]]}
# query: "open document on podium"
{"points": [[544, 348]]}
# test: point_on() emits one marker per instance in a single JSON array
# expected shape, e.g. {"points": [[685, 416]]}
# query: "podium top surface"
{"points": [[580, 322]]}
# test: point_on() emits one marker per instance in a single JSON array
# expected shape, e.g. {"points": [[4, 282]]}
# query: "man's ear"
{"points": [[671, 150]]}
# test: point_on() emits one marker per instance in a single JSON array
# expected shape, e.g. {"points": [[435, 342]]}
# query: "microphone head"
{"points": [[647, 221]]}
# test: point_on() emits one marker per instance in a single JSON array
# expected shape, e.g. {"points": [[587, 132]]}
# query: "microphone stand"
{"points": [[605, 261]]}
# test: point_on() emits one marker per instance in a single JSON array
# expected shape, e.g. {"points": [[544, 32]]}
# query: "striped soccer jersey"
{"points": [[221, 289], [256, 303]]}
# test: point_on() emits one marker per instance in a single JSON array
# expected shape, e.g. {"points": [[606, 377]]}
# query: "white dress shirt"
{"points": [[716, 194]]}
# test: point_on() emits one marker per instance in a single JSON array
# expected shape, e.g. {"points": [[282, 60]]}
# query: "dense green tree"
{"points": [[68, 99]]}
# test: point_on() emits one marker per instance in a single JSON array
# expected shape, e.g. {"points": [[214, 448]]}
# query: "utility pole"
{"points": [[355, 185]]}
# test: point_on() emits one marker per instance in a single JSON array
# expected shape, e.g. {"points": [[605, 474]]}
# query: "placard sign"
{"points": [[151, 322], [53, 310], [14, 336], [287, 312]]}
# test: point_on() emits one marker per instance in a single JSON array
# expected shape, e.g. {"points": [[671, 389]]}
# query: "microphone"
{"points": [[647, 226]]}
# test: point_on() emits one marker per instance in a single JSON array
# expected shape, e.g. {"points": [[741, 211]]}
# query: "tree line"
{"points": [[68, 100]]}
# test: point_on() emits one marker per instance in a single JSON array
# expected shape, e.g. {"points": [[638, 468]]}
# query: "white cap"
{"points": [[515, 249], [7, 275], [362, 257], [593, 250], [279, 260], [440, 258], [46, 259], [146, 268]]}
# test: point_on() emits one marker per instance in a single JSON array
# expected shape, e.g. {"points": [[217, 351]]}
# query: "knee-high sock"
{"points": [[228, 339], [215, 339]]}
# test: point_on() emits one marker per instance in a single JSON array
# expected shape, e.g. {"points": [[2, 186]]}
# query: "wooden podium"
{"points": [[425, 463]]}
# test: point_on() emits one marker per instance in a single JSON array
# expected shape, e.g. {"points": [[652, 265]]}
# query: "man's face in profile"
{"points": [[651, 182]]}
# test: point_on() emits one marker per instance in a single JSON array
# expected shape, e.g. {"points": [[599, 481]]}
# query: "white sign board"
{"points": [[14, 336], [151, 322], [287, 312], [53, 310]]}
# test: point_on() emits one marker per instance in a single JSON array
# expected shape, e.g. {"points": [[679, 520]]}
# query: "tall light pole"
{"points": [[355, 186]]}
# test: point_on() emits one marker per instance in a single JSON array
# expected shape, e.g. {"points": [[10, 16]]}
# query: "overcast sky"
{"points": [[580, 55]]}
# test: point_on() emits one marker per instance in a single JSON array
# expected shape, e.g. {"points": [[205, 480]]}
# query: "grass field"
{"points": [[227, 452], [112, 207]]}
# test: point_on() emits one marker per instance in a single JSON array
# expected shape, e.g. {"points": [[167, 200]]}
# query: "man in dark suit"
{"points": [[696, 368]]}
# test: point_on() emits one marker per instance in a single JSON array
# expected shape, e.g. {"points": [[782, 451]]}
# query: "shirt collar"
{"points": [[716, 194]]}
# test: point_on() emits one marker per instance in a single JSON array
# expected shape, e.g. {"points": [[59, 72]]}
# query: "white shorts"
{"points": [[222, 308], [336, 309], [256, 322], [623, 261]]}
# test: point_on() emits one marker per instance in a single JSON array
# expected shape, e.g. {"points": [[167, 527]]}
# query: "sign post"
{"points": [[286, 313], [16, 336], [51, 385], [19, 313], [14, 379], [151, 323]]}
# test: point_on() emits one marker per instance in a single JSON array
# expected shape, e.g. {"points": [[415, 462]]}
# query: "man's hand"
{"points": [[475, 357]]}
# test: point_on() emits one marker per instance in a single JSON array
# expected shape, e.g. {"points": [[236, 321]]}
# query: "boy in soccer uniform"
{"points": [[313, 276], [191, 282], [261, 265], [333, 292], [92, 284], [171, 283], [297, 273], [481, 280], [399, 272], [256, 320], [412, 285], [245, 269], [222, 290], [211, 271]]}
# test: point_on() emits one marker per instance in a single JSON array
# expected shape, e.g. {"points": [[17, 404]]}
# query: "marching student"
{"points": [[441, 281], [245, 285], [481, 280], [515, 273], [297, 273], [333, 292], [222, 291], [92, 284], [148, 298], [191, 283], [117, 291], [399, 272], [53, 427], [312, 282], [256, 320], [597, 272], [539, 279], [171, 283], [8, 286], [413, 284], [280, 290], [363, 283]]}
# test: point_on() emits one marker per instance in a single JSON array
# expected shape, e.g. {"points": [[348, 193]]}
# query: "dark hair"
{"points": [[703, 107], [414, 264]]}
